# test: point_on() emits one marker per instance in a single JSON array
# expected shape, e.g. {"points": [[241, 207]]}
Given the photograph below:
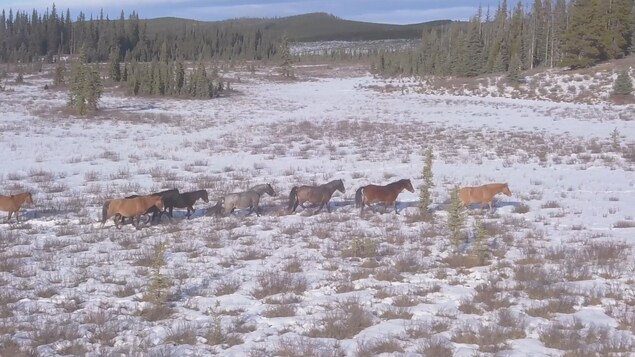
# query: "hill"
{"points": [[307, 27]]}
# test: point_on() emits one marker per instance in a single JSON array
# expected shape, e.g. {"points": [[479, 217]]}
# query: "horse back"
{"points": [[130, 207], [380, 193], [314, 194], [8, 203]]}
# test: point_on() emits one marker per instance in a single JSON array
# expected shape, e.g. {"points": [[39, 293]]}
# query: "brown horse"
{"points": [[314, 194], [366, 195], [129, 207], [483, 194], [12, 203]]}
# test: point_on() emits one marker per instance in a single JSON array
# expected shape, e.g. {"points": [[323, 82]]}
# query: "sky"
{"points": [[383, 11]]}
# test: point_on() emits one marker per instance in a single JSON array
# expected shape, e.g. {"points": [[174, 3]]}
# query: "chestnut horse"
{"points": [[169, 197], [12, 203], [483, 194], [314, 194], [366, 195], [129, 207]]}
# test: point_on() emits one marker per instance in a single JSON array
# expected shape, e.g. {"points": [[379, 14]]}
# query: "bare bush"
{"points": [[302, 346], [345, 321], [378, 346], [271, 283]]}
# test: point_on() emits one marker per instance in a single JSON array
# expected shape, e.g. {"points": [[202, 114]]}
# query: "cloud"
{"points": [[411, 16]]}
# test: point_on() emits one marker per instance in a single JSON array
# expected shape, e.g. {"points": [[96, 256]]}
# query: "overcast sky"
{"points": [[385, 11]]}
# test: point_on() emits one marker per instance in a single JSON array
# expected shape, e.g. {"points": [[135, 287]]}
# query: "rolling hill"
{"points": [[307, 27]]}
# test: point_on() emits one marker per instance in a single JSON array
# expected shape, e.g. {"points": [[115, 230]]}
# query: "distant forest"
{"points": [[30, 37], [577, 34], [549, 33]]}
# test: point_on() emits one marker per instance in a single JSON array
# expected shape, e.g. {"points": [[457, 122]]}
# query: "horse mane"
{"points": [[400, 182]]}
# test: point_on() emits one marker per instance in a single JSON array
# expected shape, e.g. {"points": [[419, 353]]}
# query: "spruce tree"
{"points": [[586, 37], [456, 220], [58, 78], [286, 67], [114, 66], [623, 84], [480, 249], [424, 192], [179, 77], [514, 74], [474, 59], [86, 88]]}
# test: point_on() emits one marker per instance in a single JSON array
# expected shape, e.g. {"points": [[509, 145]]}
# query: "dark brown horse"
{"points": [[483, 194], [187, 200], [13, 203], [129, 207], [366, 195], [317, 195]]}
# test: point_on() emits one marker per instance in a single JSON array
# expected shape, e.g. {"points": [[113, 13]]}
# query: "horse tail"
{"points": [[104, 213], [293, 196], [358, 197]]}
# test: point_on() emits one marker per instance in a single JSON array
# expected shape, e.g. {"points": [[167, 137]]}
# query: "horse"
{"points": [[264, 188], [169, 198], [314, 194], [187, 200], [366, 195], [483, 194], [247, 199], [13, 203], [129, 207]]}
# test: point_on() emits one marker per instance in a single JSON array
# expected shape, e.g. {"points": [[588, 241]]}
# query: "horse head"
{"points": [[340, 186], [158, 202], [29, 198], [506, 190], [204, 196], [408, 185], [270, 190]]}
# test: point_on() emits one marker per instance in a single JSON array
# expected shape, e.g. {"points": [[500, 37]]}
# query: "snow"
{"points": [[307, 131]]}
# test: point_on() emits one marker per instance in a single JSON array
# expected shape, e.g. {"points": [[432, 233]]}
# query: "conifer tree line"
{"points": [[167, 77], [31, 36], [549, 33]]}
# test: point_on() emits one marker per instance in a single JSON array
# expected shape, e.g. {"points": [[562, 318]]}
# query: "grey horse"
{"points": [[247, 199]]}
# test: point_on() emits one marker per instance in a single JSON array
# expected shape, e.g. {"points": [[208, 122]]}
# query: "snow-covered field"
{"points": [[556, 277]]}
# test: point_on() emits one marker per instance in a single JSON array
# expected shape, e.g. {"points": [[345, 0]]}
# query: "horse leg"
{"points": [[328, 206], [17, 216], [190, 209], [9, 218], [396, 211], [320, 208]]}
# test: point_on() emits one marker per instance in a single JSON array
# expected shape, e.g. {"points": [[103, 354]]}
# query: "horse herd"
{"points": [[160, 203]]}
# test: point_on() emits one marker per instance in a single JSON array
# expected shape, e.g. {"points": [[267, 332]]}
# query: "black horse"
{"points": [[185, 200]]}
